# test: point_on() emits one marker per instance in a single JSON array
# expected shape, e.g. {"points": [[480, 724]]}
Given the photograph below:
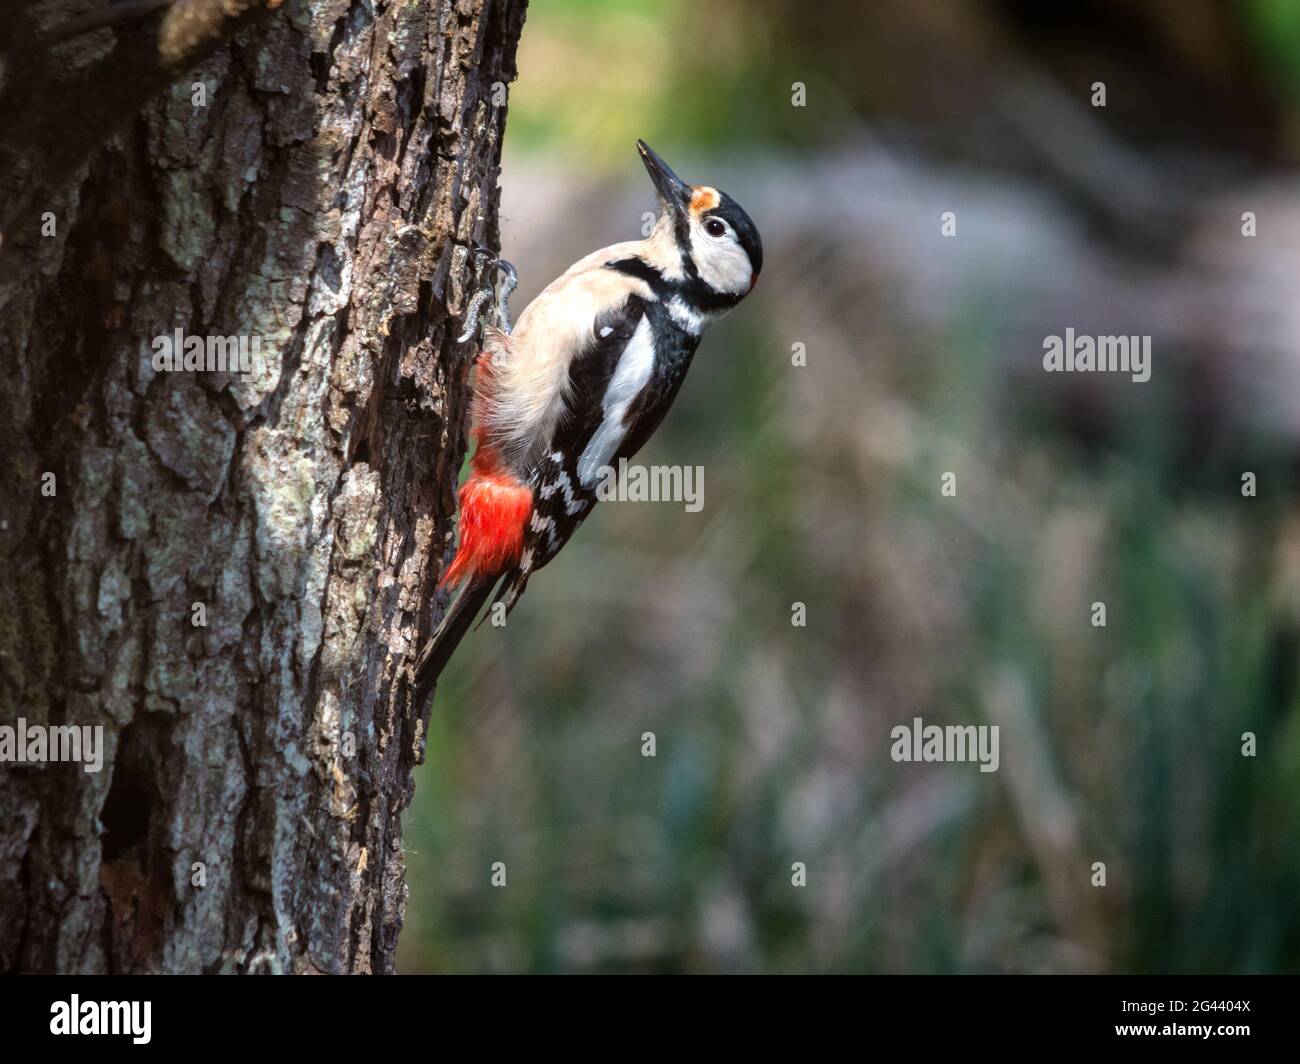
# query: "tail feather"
{"points": [[442, 644], [508, 591]]}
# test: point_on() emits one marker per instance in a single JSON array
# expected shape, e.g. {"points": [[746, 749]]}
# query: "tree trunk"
{"points": [[230, 572]]}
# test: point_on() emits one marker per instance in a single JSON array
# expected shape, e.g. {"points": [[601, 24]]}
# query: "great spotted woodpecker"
{"points": [[584, 379]]}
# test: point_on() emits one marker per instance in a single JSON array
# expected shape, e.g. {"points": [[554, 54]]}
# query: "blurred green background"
{"points": [[1120, 744]]}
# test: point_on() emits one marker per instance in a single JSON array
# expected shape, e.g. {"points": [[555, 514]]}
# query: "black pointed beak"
{"points": [[675, 192]]}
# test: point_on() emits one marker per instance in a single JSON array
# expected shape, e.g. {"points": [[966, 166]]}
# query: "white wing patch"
{"points": [[632, 373]]}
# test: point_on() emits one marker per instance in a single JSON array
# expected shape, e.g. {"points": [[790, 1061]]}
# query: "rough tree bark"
{"points": [[324, 198]]}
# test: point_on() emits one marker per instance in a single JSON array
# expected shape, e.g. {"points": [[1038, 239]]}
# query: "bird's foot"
{"points": [[509, 281]]}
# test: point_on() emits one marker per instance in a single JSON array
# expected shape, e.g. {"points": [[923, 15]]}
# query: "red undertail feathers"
{"points": [[494, 505]]}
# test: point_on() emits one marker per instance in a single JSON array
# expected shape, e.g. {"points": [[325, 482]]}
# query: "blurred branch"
{"points": [[124, 11], [1086, 160], [63, 95]]}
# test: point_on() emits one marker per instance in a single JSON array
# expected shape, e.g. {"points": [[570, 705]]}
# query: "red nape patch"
{"points": [[493, 509]]}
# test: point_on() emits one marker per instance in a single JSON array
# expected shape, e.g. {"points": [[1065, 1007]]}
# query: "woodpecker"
{"points": [[583, 380]]}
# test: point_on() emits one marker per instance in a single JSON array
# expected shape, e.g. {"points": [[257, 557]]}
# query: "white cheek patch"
{"points": [[632, 373], [721, 262]]}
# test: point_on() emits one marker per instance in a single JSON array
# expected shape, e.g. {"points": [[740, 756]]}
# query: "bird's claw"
{"points": [[509, 281]]}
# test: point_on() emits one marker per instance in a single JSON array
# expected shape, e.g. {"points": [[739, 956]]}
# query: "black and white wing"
{"points": [[618, 391]]}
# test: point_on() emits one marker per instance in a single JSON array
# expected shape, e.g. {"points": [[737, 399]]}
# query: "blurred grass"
{"points": [[1119, 744]]}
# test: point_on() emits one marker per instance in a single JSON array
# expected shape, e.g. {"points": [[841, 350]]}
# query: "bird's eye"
{"points": [[714, 227]]}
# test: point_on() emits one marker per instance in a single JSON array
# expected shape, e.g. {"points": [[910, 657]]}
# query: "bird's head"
{"points": [[717, 241]]}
